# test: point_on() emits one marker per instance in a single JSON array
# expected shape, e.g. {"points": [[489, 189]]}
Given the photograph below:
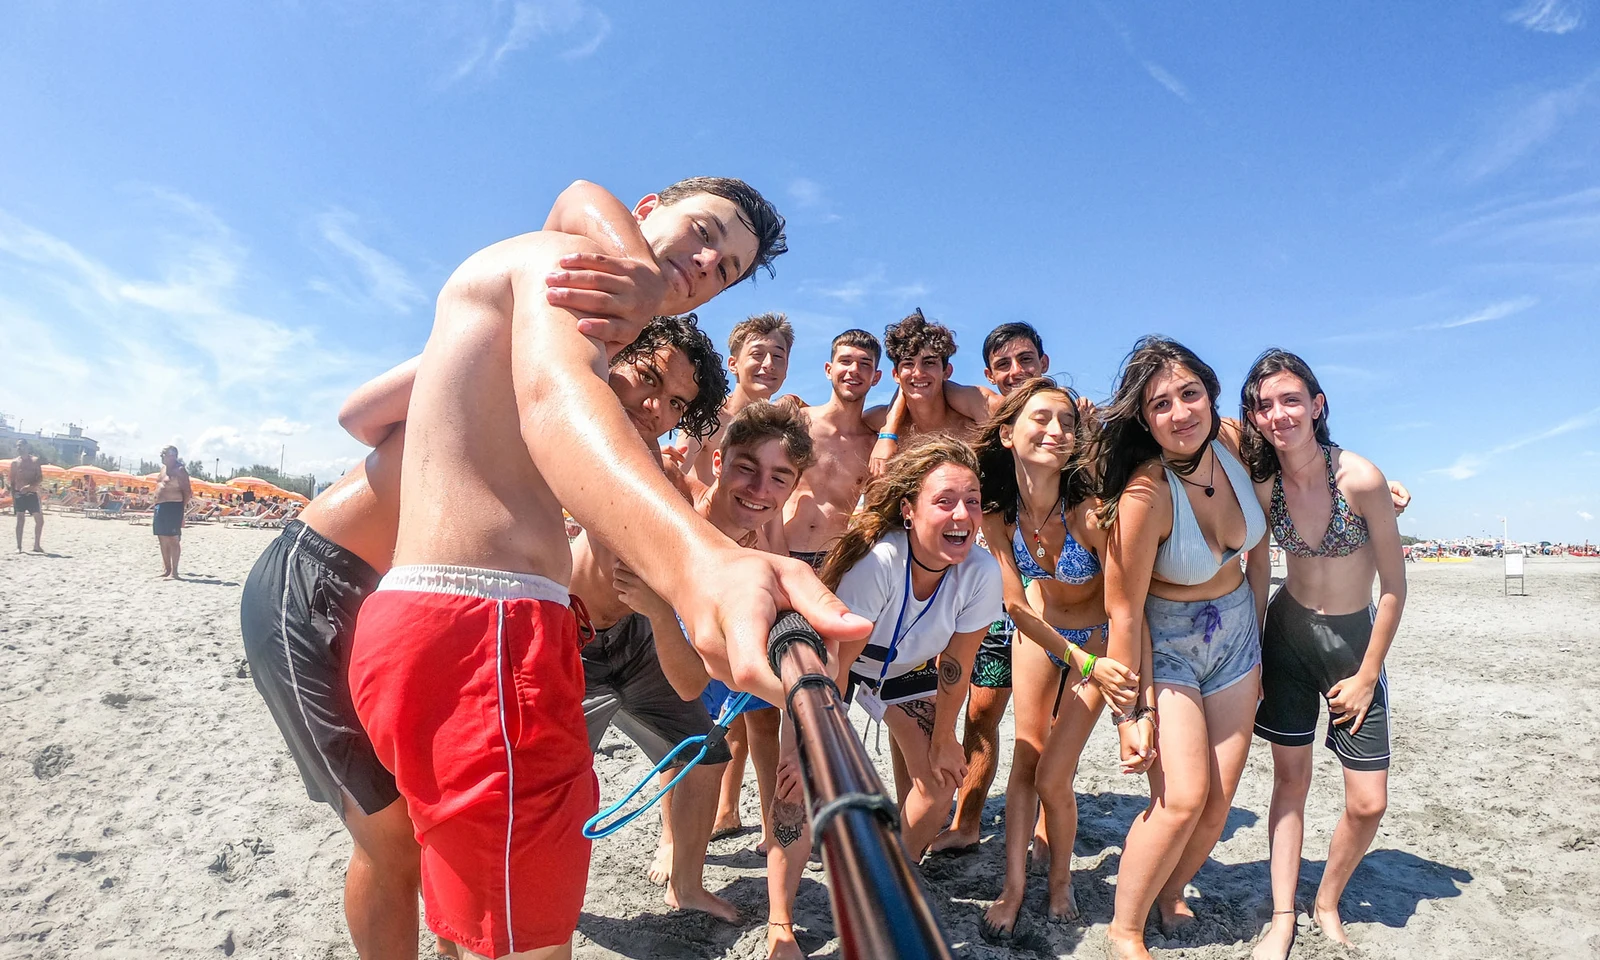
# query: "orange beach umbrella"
{"points": [[51, 470]]}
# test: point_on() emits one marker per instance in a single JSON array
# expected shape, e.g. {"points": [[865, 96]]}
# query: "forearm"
{"points": [[372, 411], [1258, 571], [1035, 628], [682, 667], [954, 679], [1385, 623]]}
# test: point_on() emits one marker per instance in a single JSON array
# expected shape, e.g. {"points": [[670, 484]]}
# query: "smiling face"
{"points": [[752, 483], [761, 365], [1043, 432], [922, 377], [852, 372], [655, 390], [945, 517], [1015, 362], [1177, 411], [1285, 412], [701, 243]]}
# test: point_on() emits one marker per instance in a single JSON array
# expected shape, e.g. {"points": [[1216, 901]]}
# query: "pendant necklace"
{"points": [[1038, 541], [1208, 487]]}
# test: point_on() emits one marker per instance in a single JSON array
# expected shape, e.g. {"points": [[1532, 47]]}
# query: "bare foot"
{"points": [[660, 872], [38, 549], [704, 901], [1126, 948], [1328, 919], [445, 948], [954, 842], [1176, 916], [1039, 855], [761, 849], [726, 826], [781, 944], [1276, 941], [1064, 903], [1000, 920]]}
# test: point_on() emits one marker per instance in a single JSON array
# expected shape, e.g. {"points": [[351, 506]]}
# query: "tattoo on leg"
{"points": [[788, 820], [949, 671], [921, 711]]}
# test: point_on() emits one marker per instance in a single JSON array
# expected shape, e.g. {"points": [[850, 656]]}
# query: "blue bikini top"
{"points": [[1076, 565]]}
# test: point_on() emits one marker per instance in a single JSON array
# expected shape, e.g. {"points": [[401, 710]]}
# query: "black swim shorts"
{"points": [[812, 557], [991, 667], [26, 503], [623, 684], [1303, 654], [168, 519], [298, 615]]}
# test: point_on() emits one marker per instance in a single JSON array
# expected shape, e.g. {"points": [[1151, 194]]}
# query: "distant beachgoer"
{"points": [[173, 493], [1322, 636], [25, 479]]}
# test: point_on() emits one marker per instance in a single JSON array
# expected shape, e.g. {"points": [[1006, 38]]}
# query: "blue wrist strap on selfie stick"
{"points": [[597, 829]]}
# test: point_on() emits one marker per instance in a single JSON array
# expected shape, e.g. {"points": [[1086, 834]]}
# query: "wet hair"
{"points": [[755, 211], [997, 473], [1124, 442], [761, 421], [861, 340], [1255, 450], [914, 334], [761, 325], [1007, 332], [700, 417], [901, 481]]}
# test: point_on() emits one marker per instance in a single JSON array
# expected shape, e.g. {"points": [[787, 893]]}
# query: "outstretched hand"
{"points": [[734, 601]]}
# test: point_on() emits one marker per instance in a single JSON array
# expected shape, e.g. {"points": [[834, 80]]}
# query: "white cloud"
{"points": [[1523, 127], [582, 27], [1548, 16], [1173, 84], [1157, 72], [282, 427], [1470, 464], [873, 283], [805, 192], [1585, 515], [1494, 311], [386, 281]]}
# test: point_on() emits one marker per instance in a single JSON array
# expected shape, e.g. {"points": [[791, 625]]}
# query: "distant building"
{"points": [[72, 447]]}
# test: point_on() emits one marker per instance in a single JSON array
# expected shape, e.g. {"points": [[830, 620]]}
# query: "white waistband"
{"points": [[473, 582]]}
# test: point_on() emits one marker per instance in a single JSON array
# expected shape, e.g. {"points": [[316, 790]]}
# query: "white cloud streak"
{"points": [[873, 283], [1585, 515], [1471, 464], [1494, 311], [581, 27], [1524, 127], [386, 281], [1548, 16]]}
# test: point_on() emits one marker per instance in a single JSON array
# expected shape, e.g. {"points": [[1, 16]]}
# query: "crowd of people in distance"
{"points": [[570, 521]]}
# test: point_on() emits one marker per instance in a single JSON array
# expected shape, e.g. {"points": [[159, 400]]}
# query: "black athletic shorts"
{"points": [[298, 616], [167, 520], [25, 503], [1303, 654], [991, 666], [812, 557], [623, 684]]}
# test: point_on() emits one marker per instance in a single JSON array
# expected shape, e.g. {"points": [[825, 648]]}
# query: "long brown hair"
{"points": [[901, 481], [997, 472]]}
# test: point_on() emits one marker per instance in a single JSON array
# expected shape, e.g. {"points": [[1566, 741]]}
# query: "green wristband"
{"points": [[1088, 664]]}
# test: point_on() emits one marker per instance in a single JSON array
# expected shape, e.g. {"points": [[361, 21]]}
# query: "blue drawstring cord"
{"points": [[592, 830], [1213, 619]]}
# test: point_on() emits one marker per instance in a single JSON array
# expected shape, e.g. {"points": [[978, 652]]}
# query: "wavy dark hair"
{"points": [[1255, 449], [1124, 442], [908, 337], [902, 480], [997, 471], [756, 211], [701, 417]]}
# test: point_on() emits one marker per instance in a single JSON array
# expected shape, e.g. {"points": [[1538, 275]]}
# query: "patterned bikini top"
{"points": [[1076, 565], [1346, 533]]}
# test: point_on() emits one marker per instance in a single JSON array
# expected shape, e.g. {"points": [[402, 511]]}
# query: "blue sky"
{"points": [[217, 219]]}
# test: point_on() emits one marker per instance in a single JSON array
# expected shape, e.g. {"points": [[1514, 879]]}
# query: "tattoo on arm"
{"points": [[921, 711], [788, 821], [949, 671]]}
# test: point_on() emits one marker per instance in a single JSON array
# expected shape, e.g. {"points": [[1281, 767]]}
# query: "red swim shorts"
{"points": [[470, 686]]}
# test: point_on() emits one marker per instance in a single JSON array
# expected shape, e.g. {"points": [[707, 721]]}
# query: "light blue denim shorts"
{"points": [[1207, 645]]}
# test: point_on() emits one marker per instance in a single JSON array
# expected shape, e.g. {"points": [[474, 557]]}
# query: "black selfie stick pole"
{"points": [[880, 908]]}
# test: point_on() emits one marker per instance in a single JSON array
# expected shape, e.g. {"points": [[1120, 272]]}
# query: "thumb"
{"points": [[824, 611]]}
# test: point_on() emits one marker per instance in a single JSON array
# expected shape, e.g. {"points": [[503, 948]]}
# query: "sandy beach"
{"points": [[151, 809]]}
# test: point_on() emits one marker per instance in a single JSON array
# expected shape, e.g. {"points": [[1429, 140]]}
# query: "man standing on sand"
{"points": [[26, 477], [641, 673], [173, 494], [465, 668]]}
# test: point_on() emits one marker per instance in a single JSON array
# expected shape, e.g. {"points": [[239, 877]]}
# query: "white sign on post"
{"points": [[1514, 569]]}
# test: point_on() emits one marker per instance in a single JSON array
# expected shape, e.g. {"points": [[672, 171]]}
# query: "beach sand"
{"points": [[150, 808]]}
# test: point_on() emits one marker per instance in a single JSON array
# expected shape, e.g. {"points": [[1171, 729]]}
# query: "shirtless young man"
{"points": [[173, 494], [465, 668], [921, 352], [639, 670], [25, 479], [758, 355]]}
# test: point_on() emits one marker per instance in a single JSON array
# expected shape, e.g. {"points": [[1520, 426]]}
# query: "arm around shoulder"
{"points": [[371, 412]]}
